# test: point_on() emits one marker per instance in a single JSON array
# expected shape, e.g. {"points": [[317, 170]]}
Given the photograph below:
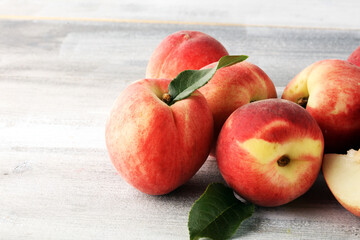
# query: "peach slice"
{"points": [[342, 175]]}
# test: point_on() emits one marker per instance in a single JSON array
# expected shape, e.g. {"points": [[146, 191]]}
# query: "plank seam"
{"points": [[167, 22]]}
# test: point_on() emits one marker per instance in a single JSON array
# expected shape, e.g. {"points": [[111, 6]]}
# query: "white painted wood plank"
{"points": [[308, 13], [58, 80]]}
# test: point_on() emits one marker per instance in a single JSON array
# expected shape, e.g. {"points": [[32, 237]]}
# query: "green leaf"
{"points": [[217, 214], [189, 80]]}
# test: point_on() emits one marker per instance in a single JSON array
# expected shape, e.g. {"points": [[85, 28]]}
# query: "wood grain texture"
{"points": [[288, 13], [58, 80]]}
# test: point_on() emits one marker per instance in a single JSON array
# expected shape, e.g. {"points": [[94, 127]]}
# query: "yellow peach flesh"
{"points": [[297, 150], [342, 174]]}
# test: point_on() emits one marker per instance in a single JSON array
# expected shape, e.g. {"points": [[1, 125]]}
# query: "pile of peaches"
{"points": [[269, 150]]}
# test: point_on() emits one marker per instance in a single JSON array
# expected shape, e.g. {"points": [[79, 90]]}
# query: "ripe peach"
{"points": [[355, 57], [156, 147], [330, 91], [181, 51], [270, 151], [233, 87]]}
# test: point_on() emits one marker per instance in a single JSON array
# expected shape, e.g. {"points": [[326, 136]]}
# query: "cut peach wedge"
{"points": [[342, 175]]}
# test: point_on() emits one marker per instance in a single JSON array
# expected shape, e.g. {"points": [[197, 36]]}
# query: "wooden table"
{"points": [[62, 64]]}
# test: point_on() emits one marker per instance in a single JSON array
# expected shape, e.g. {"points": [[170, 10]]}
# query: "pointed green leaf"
{"points": [[189, 80], [217, 214]]}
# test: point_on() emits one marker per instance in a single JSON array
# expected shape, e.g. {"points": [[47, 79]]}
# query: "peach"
{"points": [[330, 92], [233, 87], [355, 57], [181, 51], [156, 147], [270, 151]]}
